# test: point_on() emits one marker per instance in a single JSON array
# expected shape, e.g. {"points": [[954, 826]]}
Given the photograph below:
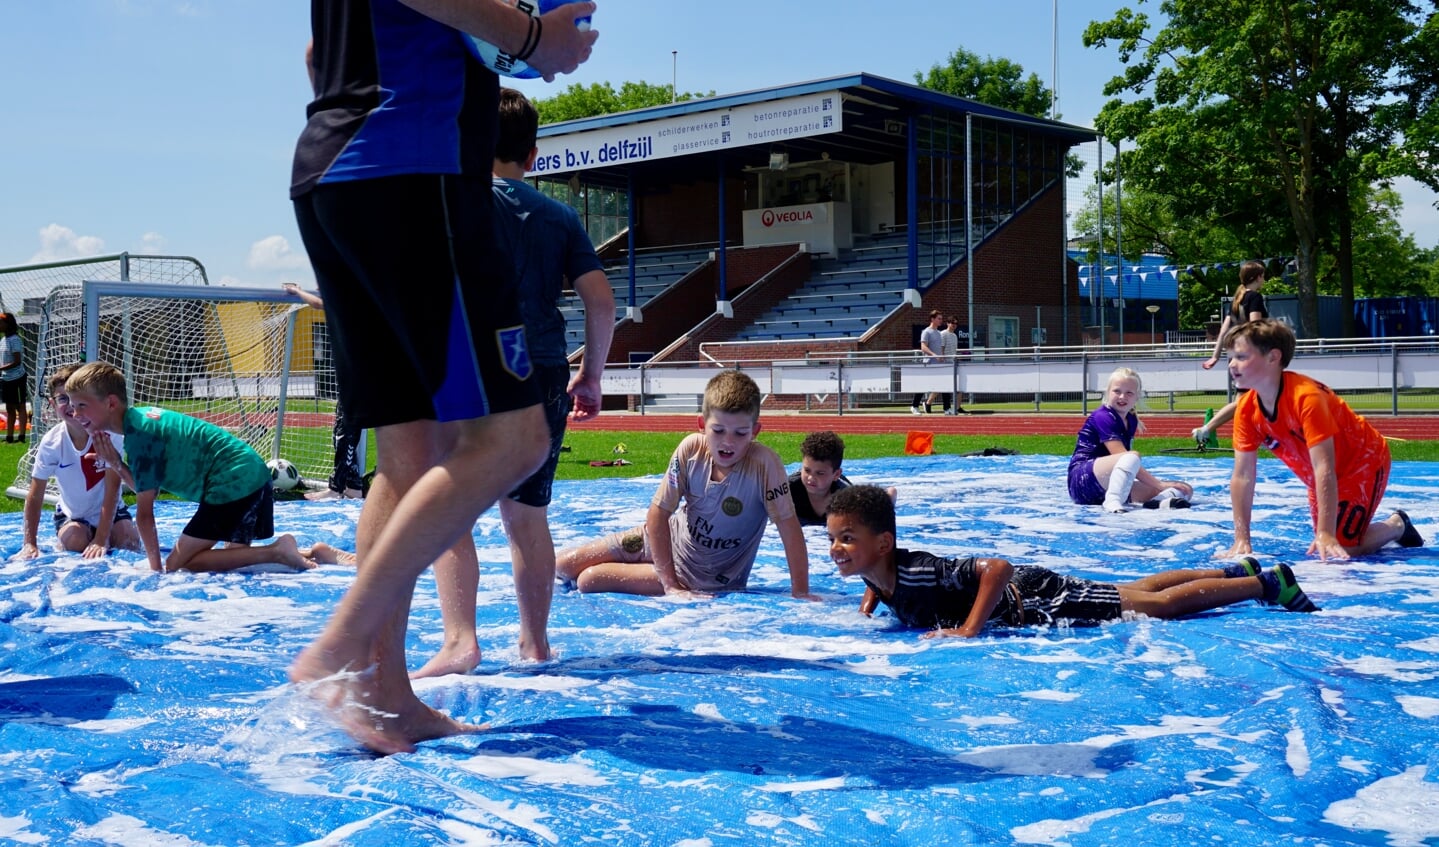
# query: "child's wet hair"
{"points": [[869, 504], [732, 392], [100, 379], [823, 446]]}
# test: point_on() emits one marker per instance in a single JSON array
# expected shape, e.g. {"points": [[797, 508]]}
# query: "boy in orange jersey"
{"points": [[1341, 458]]}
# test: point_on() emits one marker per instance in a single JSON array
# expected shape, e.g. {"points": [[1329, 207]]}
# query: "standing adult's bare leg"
{"points": [[457, 578], [454, 472], [532, 558]]}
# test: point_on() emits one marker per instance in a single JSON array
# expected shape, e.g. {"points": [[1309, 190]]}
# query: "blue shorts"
{"points": [[239, 521], [1084, 487], [421, 300], [555, 382], [122, 513]]}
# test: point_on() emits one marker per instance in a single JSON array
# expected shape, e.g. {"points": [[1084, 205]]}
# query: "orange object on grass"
{"points": [[919, 444]]}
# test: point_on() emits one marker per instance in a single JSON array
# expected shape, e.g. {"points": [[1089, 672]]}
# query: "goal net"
{"points": [[252, 361]]}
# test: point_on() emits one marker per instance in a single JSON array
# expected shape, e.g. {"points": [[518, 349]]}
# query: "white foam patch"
{"points": [[1050, 695], [831, 784], [17, 829], [1402, 806], [1296, 754], [1426, 645], [1054, 830], [112, 726], [533, 770], [769, 820], [125, 831], [503, 681], [343, 835], [1419, 707], [1395, 669], [977, 721]]}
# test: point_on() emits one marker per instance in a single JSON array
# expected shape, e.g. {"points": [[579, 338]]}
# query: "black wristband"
{"points": [[532, 41]]}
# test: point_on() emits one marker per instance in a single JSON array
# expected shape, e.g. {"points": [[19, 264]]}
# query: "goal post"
{"points": [[253, 361]]}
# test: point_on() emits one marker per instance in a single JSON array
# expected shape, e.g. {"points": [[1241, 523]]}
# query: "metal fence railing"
{"points": [[1390, 376]]}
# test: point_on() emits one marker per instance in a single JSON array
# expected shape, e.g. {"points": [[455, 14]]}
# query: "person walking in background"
{"points": [[431, 351], [1247, 305], [12, 379], [930, 344], [347, 479]]}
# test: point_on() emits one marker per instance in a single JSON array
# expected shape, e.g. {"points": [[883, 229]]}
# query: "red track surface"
{"points": [[1156, 424]]}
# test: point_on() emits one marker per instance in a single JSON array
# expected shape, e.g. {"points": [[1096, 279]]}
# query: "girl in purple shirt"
{"points": [[1103, 470]]}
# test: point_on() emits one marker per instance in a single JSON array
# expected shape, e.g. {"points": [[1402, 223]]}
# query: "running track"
{"points": [[1156, 424]]}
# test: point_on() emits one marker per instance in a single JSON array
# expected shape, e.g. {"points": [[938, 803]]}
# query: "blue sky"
{"points": [[166, 126]]}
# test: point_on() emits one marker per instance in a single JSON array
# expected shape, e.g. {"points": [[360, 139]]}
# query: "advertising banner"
{"points": [[720, 129]]}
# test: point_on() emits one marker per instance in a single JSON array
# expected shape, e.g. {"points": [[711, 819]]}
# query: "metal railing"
{"points": [[1398, 368]]}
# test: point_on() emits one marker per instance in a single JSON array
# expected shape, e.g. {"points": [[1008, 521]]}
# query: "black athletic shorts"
{"points": [[12, 392], [1051, 598], [554, 380], [240, 521], [122, 513], [420, 299]]}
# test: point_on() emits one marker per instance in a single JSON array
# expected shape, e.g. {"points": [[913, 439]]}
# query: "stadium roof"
{"points": [[875, 113]]}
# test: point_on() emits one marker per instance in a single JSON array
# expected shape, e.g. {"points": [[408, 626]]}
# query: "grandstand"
{"points": [[872, 195]]}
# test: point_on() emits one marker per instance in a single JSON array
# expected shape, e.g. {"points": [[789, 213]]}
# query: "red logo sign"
{"points": [[770, 217]]}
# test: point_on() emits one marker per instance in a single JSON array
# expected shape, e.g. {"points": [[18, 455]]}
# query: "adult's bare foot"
{"points": [[452, 658], [535, 651], [382, 718]]}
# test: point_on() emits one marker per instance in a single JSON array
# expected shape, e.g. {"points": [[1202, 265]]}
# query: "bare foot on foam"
{"points": [[287, 552], [381, 717], [327, 554], [452, 658]]}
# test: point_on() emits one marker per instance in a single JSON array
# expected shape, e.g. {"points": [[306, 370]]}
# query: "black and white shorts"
{"points": [[1051, 598]]}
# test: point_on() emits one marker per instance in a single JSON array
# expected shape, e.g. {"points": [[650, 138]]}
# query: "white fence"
{"points": [[1394, 365]]}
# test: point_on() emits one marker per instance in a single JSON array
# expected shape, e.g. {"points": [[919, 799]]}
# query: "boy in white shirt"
{"points": [[90, 517]]}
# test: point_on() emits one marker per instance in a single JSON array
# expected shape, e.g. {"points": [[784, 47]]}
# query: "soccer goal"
{"points": [[253, 361]]}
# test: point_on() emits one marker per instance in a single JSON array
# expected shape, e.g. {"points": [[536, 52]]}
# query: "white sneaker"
{"points": [[914, 410], [1111, 504], [950, 412]]}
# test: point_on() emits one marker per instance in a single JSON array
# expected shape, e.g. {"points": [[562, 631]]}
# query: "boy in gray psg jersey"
{"points": [[705, 522]]}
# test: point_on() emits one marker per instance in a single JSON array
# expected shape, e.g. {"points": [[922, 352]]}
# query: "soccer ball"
{"points": [[283, 475], [503, 63]]}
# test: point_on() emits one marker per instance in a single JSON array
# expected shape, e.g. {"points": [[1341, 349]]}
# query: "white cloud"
{"points": [[58, 243], [274, 254], [151, 243]]}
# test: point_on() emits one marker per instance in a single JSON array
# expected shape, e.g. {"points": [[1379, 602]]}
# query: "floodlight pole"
{"points": [[674, 75]]}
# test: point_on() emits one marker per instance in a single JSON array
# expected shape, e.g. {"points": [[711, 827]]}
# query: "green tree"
{"points": [[601, 98], [1238, 104], [1415, 112], [998, 82]]}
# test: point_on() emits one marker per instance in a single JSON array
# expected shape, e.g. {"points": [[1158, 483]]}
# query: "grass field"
{"points": [[648, 452]]}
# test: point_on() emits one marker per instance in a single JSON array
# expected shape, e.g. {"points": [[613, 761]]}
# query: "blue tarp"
{"points": [[138, 708]]}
